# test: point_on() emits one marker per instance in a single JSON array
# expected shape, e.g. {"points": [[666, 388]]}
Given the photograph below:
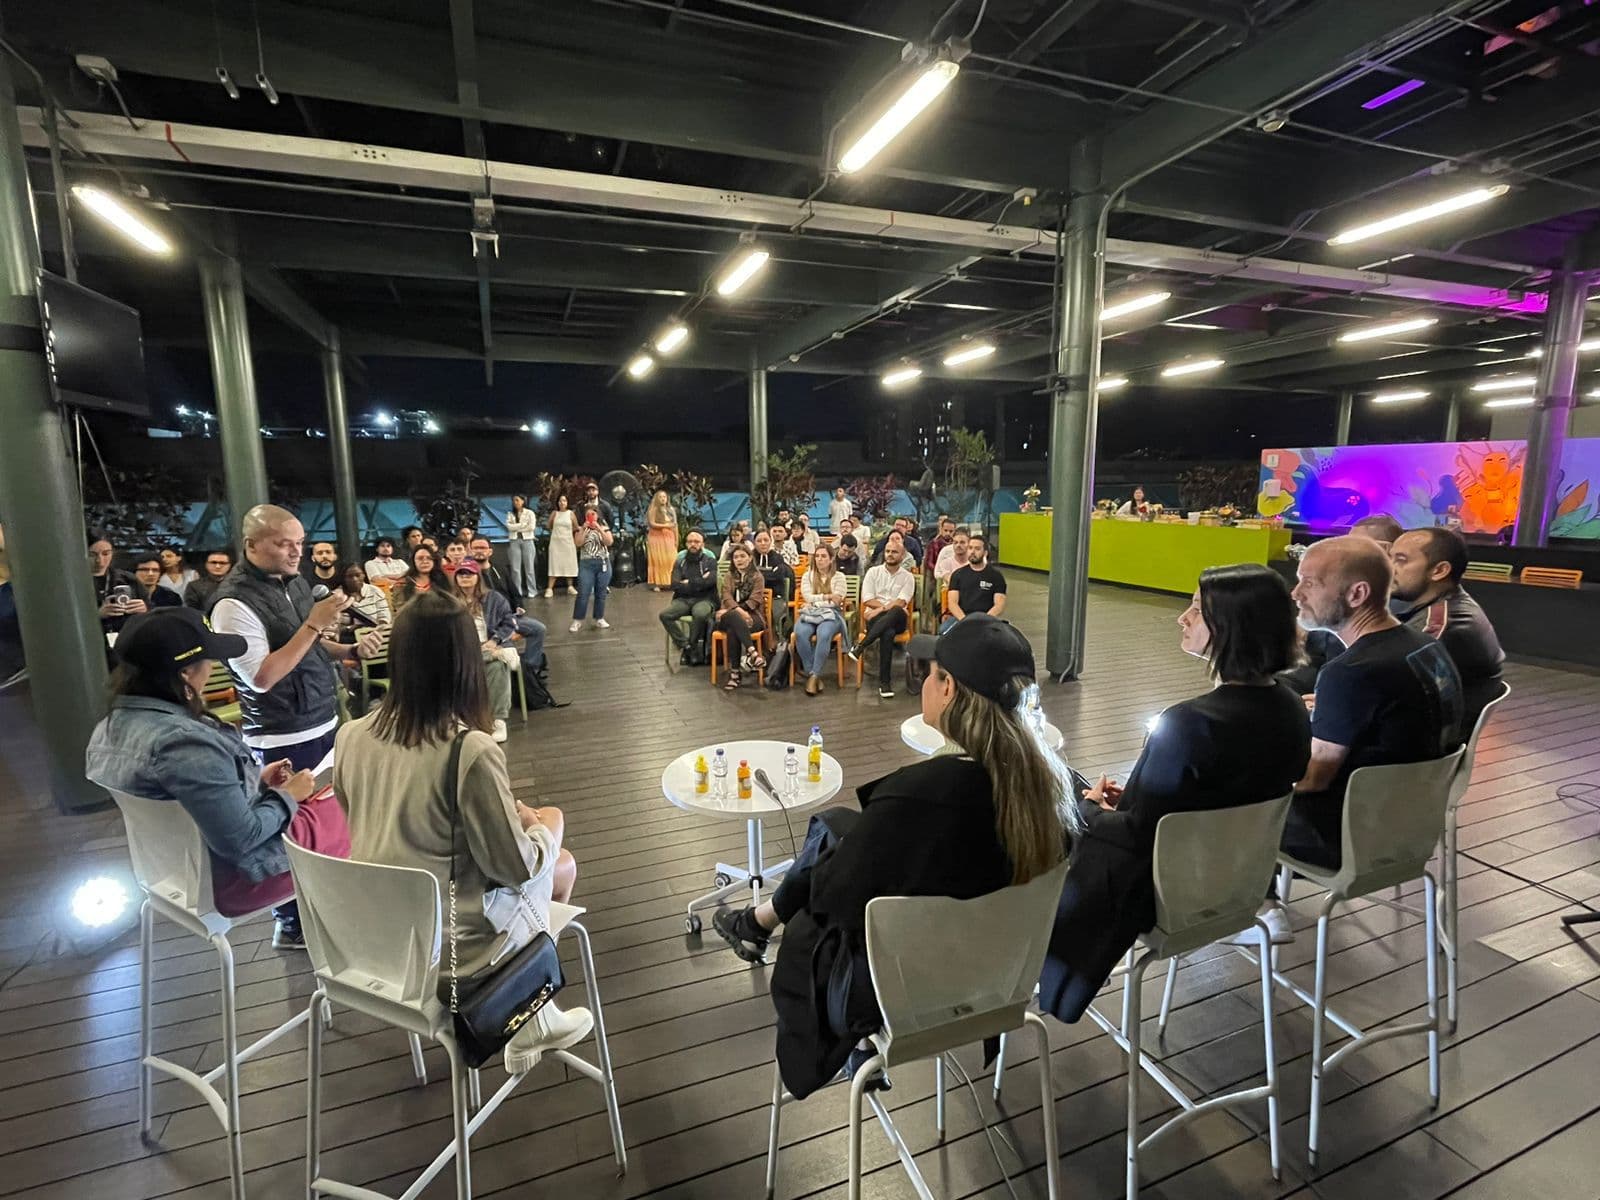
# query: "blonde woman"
{"points": [[563, 525], [662, 544], [822, 589]]}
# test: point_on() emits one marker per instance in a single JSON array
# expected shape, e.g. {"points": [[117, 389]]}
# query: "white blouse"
{"points": [[521, 529]]}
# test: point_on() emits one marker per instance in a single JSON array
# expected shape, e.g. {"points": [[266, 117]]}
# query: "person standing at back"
{"points": [[563, 564], [147, 583], [661, 543], [839, 510], [1428, 597], [198, 594], [383, 568], [521, 529]]}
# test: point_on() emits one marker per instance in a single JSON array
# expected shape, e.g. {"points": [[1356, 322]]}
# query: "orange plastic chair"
{"points": [[852, 592], [719, 640], [900, 639]]}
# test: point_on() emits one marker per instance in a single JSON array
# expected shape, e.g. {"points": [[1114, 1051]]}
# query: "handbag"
{"points": [[486, 1014]]}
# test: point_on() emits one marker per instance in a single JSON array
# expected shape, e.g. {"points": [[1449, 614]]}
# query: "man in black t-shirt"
{"points": [[1393, 696], [977, 587], [1428, 597]]}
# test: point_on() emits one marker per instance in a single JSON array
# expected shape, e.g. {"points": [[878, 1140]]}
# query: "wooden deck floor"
{"points": [[691, 1025]]}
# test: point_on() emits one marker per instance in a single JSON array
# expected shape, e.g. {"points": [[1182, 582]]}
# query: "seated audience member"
{"points": [[323, 566], [886, 592], [846, 524], [422, 576], [911, 542], [390, 770], [384, 566], [11, 656], [965, 824], [694, 593], [1136, 507], [778, 574], [822, 615], [157, 743], [491, 617], [840, 510], [116, 592], [784, 545], [410, 538], [532, 631], [147, 583], [465, 534], [365, 599], [198, 594], [804, 537], [175, 575], [743, 615], [738, 535], [847, 554], [1245, 741], [1393, 696], [1428, 597], [978, 587], [953, 556], [1380, 528], [455, 553], [946, 533], [1318, 645]]}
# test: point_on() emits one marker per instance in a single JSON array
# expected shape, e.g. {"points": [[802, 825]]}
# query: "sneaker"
{"points": [[571, 590], [885, 693], [500, 733], [551, 1028], [548, 593], [1276, 919], [879, 1082], [286, 935], [855, 651], [601, 623], [575, 627], [743, 933]]}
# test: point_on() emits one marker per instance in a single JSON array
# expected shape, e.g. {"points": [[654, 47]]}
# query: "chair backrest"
{"points": [[219, 686], [382, 656], [373, 931], [852, 590], [170, 860], [1211, 868], [1555, 577], [1393, 819], [1488, 572], [1463, 779], [952, 972]]}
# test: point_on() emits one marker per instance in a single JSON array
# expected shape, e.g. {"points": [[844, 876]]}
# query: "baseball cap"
{"points": [[982, 652], [174, 637], [469, 565]]}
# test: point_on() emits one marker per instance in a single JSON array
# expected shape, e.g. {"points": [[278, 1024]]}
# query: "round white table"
{"points": [[678, 786], [925, 739]]}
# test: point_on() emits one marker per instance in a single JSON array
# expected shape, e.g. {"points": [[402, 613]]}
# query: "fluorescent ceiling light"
{"points": [[968, 354], [1400, 397], [1384, 262], [672, 337], [525, 429], [1134, 305], [742, 271], [1392, 329], [1112, 384], [1190, 368], [1193, 325], [1400, 375], [1413, 216], [929, 84], [1510, 402], [1394, 93], [901, 375], [121, 218], [641, 366], [1588, 347], [1507, 383]]}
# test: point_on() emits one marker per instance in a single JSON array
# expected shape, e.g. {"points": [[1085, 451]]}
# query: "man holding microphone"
{"points": [[285, 678]]}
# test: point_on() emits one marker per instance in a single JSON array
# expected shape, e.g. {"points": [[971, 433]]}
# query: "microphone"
{"points": [[320, 592]]}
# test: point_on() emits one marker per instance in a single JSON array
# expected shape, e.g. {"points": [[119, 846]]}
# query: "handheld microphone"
{"points": [[320, 592]]}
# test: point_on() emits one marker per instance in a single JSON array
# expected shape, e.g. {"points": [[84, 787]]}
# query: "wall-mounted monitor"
{"points": [[95, 348]]}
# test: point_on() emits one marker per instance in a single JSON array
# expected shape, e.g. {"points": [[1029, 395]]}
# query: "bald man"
{"points": [[1320, 646]]}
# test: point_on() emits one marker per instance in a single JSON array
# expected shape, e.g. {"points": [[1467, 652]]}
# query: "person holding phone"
{"points": [[115, 592], [593, 541], [158, 743]]}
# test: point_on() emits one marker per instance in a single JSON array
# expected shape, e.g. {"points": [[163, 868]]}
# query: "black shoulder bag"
{"points": [[488, 1012]]}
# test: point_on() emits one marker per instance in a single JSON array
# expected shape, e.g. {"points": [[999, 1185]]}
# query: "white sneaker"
{"points": [[575, 627], [601, 623], [500, 733], [548, 593], [551, 1028], [1276, 919], [571, 591]]}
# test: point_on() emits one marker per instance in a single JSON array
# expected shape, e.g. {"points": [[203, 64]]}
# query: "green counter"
{"points": [[1147, 554]]}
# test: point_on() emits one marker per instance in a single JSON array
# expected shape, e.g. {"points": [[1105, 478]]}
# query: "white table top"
{"points": [[924, 739], [677, 781]]}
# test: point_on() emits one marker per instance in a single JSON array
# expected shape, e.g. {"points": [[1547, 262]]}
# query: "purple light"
{"points": [[1394, 93]]}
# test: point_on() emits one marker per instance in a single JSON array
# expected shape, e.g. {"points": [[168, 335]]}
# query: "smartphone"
{"points": [[122, 594], [591, 518]]}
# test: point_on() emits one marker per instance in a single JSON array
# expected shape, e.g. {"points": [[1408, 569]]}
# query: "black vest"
{"points": [[304, 698]]}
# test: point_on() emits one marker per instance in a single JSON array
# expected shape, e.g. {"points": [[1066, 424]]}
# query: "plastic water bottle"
{"points": [[814, 755], [719, 772], [791, 773]]}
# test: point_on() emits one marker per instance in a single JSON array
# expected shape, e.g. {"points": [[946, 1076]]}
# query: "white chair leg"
{"points": [[1130, 1024], [1449, 867], [313, 1098], [858, 1083], [1166, 994], [772, 1132], [999, 1068], [147, 921], [1271, 1048], [418, 1066], [1430, 891], [474, 1089], [1318, 1007], [1127, 998], [591, 987], [938, 1096], [230, 1072], [459, 1100], [1047, 1101]]}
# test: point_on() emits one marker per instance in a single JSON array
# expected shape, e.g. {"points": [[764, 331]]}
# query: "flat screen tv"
{"points": [[95, 348]]}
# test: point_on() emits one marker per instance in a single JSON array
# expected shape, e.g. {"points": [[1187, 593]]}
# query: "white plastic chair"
{"points": [[374, 934], [933, 1002], [1394, 817], [173, 869]]}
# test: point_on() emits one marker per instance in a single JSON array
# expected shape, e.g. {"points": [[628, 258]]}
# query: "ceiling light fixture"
{"points": [[901, 375], [927, 81], [967, 354], [1413, 216], [672, 338], [1400, 397], [1134, 305], [1392, 329], [1194, 325], [121, 218], [1190, 368], [1112, 384], [1385, 262], [742, 271], [1588, 347], [1510, 402], [641, 365], [1393, 94], [1507, 383]]}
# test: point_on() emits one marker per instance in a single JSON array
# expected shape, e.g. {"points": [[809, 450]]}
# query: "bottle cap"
{"points": [[744, 762], [791, 749]]}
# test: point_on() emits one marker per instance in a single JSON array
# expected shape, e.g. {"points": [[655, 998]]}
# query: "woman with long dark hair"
{"points": [[424, 575], [157, 743], [1244, 741], [742, 615], [495, 626], [994, 811], [390, 770], [521, 529]]}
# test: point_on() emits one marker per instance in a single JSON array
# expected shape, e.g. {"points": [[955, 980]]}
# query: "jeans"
{"points": [[814, 657], [794, 890], [520, 555], [594, 579], [532, 640], [699, 614], [948, 624], [883, 629]]}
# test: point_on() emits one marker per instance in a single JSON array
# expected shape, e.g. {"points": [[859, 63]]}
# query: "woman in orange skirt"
{"points": [[662, 544]]}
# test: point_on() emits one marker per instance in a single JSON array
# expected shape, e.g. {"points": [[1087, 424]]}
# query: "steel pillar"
{"points": [[758, 425], [1341, 430], [39, 499], [1074, 410], [1452, 418], [244, 464], [344, 475]]}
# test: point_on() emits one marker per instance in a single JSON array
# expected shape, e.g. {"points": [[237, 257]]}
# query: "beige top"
{"points": [[399, 815]]}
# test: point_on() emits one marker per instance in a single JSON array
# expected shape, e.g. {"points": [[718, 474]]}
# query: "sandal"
{"points": [[732, 684]]}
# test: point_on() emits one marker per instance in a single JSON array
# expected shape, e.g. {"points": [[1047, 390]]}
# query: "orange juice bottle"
{"points": [[744, 779]]}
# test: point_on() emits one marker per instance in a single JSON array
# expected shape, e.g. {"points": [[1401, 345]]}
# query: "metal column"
{"points": [[1557, 394], [39, 499], [244, 465], [758, 425], [1341, 430], [1074, 409], [1452, 418], [344, 475], [999, 429]]}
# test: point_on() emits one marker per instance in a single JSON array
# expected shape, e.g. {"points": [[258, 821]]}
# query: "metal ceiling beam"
{"points": [[464, 46]]}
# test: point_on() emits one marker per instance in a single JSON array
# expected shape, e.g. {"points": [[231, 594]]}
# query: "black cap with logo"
{"points": [[174, 637]]}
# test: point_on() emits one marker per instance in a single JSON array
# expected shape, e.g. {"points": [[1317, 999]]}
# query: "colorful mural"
{"points": [[1477, 484]]}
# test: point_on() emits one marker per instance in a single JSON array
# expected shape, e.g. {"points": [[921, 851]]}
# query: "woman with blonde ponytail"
{"points": [[996, 808]]}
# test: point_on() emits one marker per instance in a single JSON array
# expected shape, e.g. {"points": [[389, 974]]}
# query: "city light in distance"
{"points": [[1112, 383], [967, 354], [1135, 304], [430, 426], [901, 375], [928, 85], [121, 218], [672, 338], [541, 429], [641, 366], [1415, 216], [1177, 370], [742, 271], [1400, 396], [1510, 402], [1390, 329], [1507, 383]]}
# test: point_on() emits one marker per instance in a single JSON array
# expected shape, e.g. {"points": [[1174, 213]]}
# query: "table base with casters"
{"points": [[731, 880]]}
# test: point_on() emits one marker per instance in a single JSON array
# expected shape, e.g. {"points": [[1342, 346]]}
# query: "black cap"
{"points": [[174, 637], [982, 652]]}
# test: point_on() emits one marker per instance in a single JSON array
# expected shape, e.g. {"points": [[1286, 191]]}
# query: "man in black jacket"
{"points": [[496, 580], [694, 592], [1428, 597], [779, 578]]}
